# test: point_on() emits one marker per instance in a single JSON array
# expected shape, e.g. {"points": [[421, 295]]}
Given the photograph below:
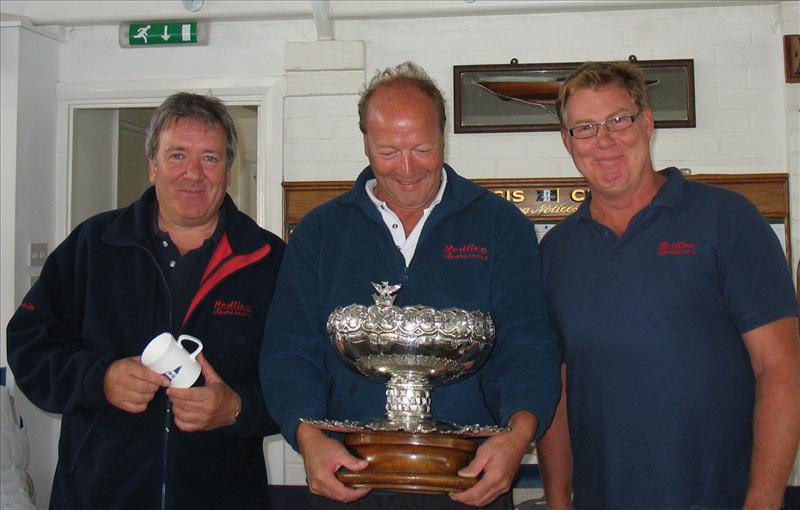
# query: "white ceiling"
{"points": [[323, 12]]}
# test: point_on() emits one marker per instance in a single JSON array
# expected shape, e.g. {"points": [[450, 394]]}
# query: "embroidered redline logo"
{"points": [[28, 306], [676, 248], [466, 251], [236, 308]]}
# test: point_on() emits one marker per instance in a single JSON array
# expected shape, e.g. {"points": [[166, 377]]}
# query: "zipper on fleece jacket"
{"points": [[167, 406], [164, 457]]}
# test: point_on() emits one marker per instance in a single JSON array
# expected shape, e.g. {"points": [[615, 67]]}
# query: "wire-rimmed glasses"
{"points": [[615, 123]]}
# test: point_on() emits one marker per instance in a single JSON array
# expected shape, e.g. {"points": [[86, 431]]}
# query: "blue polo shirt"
{"points": [[660, 387]]}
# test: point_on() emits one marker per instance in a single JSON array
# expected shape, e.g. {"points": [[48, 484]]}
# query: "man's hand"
{"points": [[322, 457], [498, 458], [130, 386], [207, 407]]}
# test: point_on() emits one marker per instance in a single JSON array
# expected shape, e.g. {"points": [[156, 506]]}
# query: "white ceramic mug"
{"points": [[167, 356]]}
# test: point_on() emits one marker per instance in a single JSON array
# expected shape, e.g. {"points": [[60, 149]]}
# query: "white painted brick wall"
{"points": [[308, 128], [324, 55], [322, 107], [321, 136], [240, 49], [314, 83], [324, 67]]}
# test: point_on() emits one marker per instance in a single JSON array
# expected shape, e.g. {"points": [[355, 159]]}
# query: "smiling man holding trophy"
{"points": [[415, 278]]}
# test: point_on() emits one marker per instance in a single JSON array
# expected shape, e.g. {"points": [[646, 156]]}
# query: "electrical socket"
{"points": [[38, 254]]}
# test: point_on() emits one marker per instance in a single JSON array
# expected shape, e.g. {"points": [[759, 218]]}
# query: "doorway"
{"points": [[110, 169]]}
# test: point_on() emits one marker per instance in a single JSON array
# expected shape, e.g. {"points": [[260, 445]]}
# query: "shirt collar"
{"points": [[372, 183], [671, 191], [157, 234], [667, 196]]}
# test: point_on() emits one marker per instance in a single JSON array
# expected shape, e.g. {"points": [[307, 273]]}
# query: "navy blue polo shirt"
{"points": [[182, 273], [660, 386]]}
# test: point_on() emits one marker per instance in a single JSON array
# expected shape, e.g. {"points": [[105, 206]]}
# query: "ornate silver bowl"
{"points": [[411, 349]]}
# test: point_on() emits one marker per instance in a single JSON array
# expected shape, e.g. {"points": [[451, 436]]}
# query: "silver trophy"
{"points": [[411, 349]]}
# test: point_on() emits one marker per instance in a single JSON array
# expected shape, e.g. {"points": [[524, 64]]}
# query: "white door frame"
{"points": [[266, 94]]}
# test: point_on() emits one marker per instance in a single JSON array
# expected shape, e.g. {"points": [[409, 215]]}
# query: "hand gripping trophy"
{"points": [[411, 349]]}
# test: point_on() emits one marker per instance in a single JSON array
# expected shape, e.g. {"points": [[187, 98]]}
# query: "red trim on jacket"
{"points": [[221, 265]]}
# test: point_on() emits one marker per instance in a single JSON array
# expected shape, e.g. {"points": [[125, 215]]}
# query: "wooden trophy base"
{"points": [[400, 461]]}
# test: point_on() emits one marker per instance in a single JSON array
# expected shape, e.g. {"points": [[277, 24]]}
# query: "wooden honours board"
{"points": [[546, 201]]}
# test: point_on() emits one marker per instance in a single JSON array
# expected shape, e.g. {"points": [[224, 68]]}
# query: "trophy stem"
{"points": [[408, 400]]}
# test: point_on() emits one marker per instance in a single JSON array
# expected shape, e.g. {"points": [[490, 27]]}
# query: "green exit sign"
{"points": [[162, 33]]}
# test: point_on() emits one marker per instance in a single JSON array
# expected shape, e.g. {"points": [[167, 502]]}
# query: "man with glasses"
{"points": [[678, 325]]}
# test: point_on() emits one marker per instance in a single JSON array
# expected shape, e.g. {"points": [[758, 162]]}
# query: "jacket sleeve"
{"points": [[51, 365], [254, 418], [292, 354], [523, 371]]}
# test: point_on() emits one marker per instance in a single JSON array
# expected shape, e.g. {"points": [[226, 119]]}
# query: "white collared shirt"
{"points": [[406, 245]]}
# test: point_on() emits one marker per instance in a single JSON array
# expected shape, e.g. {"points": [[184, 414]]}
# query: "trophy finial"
{"points": [[386, 293]]}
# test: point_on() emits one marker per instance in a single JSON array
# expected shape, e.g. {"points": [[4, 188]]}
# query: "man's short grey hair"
{"points": [[184, 105], [407, 74]]}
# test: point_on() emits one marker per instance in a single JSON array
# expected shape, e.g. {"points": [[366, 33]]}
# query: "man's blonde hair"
{"points": [[407, 74], [627, 75]]}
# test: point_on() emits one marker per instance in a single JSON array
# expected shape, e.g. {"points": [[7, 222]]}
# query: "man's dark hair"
{"points": [[184, 105]]}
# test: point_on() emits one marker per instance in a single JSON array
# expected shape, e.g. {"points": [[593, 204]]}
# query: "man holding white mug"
{"points": [[181, 260]]}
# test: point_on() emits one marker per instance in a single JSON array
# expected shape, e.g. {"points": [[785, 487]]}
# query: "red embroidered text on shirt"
{"points": [[236, 308], [677, 248], [466, 251]]}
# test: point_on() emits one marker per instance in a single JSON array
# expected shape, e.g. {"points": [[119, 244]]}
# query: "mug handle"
{"points": [[193, 354]]}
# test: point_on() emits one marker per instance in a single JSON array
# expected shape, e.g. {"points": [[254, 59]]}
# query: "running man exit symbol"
{"points": [[162, 33]]}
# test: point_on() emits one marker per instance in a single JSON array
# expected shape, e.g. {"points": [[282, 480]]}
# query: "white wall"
{"points": [[747, 119], [9, 72], [790, 24], [237, 50], [32, 167]]}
